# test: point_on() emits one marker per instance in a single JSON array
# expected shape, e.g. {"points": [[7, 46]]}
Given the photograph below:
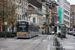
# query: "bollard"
{"points": [[61, 36], [57, 44]]}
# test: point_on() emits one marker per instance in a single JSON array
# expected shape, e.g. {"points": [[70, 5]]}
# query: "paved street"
{"points": [[22, 19], [41, 42], [68, 43]]}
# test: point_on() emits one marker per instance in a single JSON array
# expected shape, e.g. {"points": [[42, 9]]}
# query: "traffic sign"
{"points": [[57, 21], [5, 23]]}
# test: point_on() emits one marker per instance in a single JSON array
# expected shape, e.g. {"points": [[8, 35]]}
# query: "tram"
{"points": [[63, 30], [26, 29]]}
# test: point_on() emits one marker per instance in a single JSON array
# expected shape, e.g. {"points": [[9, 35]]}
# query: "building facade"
{"points": [[72, 16], [65, 6], [1, 13], [19, 10], [50, 14], [35, 13]]}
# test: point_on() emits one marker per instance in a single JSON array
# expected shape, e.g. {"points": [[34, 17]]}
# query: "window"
{"points": [[33, 20], [23, 27], [65, 1], [66, 12], [71, 17], [66, 7], [72, 12], [40, 21], [72, 22], [66, 17], [71, 26], [65, 22], [22, 9]]}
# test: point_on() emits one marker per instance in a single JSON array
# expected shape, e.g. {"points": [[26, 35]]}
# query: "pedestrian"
{"points": [[60, 33], [55, 29]]}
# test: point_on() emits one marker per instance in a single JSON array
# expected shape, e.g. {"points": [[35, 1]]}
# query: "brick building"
{"points": [[72, 16]]}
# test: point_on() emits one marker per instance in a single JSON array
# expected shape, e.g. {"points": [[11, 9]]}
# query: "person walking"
{"points": [[60, 34]]}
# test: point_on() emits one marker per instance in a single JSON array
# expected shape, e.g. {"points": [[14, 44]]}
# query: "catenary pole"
{"points": [[5, 18]]}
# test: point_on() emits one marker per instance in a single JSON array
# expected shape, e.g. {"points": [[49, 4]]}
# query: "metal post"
{"points": [[24, 17], [46, 17], [29, 17], [5, 18]]}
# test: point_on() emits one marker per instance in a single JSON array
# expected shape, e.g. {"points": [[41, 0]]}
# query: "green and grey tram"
{"points": [[63, 30], [26, 29]]}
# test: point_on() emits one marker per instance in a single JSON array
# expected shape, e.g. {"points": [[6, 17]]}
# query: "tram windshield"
{"points": [[22, 27], [63, 28]]}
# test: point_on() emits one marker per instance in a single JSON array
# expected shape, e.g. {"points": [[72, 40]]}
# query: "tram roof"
{"points": [[23, 20], [28, 21]]}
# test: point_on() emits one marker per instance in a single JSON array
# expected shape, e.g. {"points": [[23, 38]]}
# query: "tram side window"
{"points": [[34, 28], [30, 27], [38, 29]]}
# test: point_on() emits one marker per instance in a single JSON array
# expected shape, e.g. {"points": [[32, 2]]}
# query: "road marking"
{"points": [[48, 47], [67, 42], [44, 40], [48, 38], [68, 47]]}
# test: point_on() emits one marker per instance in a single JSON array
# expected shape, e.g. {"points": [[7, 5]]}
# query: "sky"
{"points": [[71, 1]]}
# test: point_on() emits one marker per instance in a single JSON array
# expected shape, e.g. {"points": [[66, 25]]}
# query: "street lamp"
{"points": [[23, 16], [29, 17], [26, 14], [5, 18], [45, 26]]}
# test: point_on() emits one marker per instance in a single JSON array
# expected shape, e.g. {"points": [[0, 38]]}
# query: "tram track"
{"points": [[17, 44], [8, 44], [39, 44], [13, 41], [26, 44]]}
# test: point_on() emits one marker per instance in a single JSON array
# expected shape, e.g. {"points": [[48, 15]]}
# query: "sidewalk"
{"points": [[68, 43]]}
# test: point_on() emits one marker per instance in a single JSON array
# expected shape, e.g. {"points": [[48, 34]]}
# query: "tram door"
{"points": [[63, 29]]}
